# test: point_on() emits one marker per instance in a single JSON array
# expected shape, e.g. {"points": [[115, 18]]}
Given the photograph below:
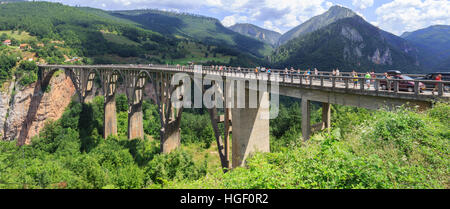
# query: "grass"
{"points": [[24, 36], [114, 38]]}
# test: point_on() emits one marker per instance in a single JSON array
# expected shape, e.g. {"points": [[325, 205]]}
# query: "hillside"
{"points": [[334, 14], [433, 44], [204, 29], [267, 36], [348, 44], [103, 38]]}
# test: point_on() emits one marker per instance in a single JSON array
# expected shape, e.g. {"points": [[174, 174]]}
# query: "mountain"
{"points": [[204, 29], [100, 37], [433, 44], [349, 44], [332, 15], [267, 36]]}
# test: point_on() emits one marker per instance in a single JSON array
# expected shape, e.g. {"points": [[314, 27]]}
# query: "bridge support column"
{"points": [[306, 119], [326, 116], [110, 116], [109, 80], [307, 128], [171, 137], [170, 117], [250, 130], [135, 84], [135, 122]]}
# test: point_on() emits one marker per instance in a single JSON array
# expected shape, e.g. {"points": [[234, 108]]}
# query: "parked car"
{"points": [[407, 83], [432, 77], [394, 72]]}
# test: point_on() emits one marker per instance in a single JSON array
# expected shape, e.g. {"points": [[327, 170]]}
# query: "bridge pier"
{"points": [[307, 128], [135, 122], [306, 119], [171, 136], [110, 116], [135, 84], [109, 80], [250, 130]]}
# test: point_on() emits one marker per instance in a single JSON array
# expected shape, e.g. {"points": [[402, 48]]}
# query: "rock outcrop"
{"points": [[48, 106], [5, 98]]}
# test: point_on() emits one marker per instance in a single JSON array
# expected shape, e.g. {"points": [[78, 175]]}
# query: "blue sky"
{"points": [[395, 16]]}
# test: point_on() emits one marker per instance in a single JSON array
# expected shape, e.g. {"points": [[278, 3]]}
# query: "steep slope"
{"points": [[80, 29], [205, 29], [349, 44], [267, 36], [433, 44], [106, 39], [334, 14]]}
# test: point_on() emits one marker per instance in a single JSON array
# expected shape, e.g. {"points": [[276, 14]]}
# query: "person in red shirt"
{"points": [[438, 78]]}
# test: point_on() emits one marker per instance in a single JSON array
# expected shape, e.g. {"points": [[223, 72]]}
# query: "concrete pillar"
{"points": [[250, 130], [306, 119], [171, 137], [110, 116], [326, 115], [135, 122]]}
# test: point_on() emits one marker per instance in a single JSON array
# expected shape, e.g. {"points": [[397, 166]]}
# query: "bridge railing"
{"points": [[327, 80], [398, 86], [322, 79]]}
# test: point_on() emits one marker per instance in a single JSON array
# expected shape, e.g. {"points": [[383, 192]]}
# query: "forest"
{"points": [[365, 149]]}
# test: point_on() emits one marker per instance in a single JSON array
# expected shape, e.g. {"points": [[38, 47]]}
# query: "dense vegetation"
{"points": [[366, 149], [205, 29]]}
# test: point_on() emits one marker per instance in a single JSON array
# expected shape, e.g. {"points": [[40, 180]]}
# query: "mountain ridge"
{"points": [[433, 43], [262, 34], [317, 22], [205, 29], [349, 43]]}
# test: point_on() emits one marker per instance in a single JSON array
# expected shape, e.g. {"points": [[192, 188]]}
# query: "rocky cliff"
{"points": [[24, 113], [28, 110]]}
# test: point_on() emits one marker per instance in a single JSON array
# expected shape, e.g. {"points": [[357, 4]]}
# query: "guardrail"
{"points": [[323, 79]]}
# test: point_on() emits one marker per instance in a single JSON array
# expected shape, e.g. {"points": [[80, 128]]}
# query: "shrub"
{"points": [[177, 165]]}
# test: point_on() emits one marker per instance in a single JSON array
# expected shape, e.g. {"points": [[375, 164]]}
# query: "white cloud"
{"points": [[362, 4], [233, 19], [282, 14], [270, 26], [279, 15], [399, 16]]}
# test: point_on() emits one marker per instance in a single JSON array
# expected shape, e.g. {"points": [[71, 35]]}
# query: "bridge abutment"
{"points": [[250, 130]]}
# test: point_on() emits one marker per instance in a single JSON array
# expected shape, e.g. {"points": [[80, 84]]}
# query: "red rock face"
{"points": [[30, 110]]}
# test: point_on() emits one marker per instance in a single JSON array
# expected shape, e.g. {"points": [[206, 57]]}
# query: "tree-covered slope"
{"points": [[205, 29], [366, 149], [80, 30], [433, 44], [107, 39], [348, 44], [267, 36]]}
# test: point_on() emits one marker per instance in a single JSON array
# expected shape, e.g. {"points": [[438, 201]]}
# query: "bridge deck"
{"points": [[322, 82]]}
